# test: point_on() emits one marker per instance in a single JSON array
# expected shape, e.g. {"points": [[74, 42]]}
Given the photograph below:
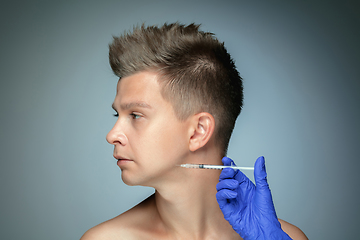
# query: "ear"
{"points": [[203, 125]]}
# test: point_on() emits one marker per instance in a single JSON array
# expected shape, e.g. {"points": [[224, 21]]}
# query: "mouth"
{"points": [[122, 161]]}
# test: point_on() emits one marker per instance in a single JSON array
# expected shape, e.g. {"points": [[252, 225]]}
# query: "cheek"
{"points": [[161, 142], [172, 140]]}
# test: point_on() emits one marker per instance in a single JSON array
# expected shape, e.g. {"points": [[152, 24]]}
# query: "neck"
{"points": [[187, 205]]}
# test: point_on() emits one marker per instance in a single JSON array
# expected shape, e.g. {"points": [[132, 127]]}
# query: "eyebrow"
{"points": [[127, 106]]}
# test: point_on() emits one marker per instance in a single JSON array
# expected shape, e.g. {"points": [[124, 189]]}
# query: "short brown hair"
{"points": [[195, 69]]}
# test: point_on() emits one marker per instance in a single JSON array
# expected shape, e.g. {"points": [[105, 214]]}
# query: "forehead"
{"points": [[141, 87]]}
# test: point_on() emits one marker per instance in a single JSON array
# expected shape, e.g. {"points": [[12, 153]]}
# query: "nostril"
{"points": [[121, 138]]}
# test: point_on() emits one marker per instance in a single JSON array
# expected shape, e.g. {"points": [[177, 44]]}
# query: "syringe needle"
{"points": [[208, 166]]}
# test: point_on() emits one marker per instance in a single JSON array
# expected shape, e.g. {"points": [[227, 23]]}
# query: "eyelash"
{"points": [[134, 116]]}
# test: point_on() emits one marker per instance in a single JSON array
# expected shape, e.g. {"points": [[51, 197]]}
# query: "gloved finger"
{"points": [[226, 208], [241, 177], [227, 173], [231, 184], [260, 174], [263, 193], [224, 195], [228, 161]]}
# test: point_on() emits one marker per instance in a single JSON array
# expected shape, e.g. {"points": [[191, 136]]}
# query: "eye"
{"points": [[135, 116]]}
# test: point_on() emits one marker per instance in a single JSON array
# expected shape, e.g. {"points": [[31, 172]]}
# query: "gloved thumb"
{"points": [[264, 197], [260, 173]]}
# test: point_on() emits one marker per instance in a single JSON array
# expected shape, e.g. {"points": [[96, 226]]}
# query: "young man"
{"points": [[177, 101]]}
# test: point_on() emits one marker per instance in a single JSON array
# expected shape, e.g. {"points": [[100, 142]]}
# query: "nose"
{"points": [[116, 135]]}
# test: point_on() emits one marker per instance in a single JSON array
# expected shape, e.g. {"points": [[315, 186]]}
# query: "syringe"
{"points": [[207, 166]]}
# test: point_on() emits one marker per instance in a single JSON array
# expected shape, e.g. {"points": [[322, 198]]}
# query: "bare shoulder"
{"points": [[293, 231], [132, 224], [107, 231]]}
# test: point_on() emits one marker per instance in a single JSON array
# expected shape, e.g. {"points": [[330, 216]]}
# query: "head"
{"points": [[194, 70]]}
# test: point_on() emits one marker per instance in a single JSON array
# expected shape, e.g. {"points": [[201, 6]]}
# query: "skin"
{"points": [[151, 142]]}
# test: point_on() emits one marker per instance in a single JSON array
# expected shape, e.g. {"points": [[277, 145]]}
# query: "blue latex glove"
{"points": [[248, 208]]}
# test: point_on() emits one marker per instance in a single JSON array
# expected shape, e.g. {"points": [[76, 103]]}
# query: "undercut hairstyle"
{"points": [[195, 71]]}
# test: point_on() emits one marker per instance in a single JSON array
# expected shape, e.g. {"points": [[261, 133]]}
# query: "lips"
{"points": [[125, 160], [121, 160], [119, 157]]}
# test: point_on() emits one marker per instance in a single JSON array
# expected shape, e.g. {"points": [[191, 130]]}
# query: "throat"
{"points": [[191, 207]]}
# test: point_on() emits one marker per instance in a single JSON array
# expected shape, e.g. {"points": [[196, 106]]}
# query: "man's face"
{"points": [[149, 141]]}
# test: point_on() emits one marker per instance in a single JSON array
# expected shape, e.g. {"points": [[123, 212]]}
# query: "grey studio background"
{"points": [[300, 63]]}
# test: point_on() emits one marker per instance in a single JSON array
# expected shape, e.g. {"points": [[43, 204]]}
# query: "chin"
{"points": [[128, 181], [145, 179], [132, 180]]}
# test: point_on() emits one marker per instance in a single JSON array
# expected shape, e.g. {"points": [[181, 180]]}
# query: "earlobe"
{"points": [[202, 129]]}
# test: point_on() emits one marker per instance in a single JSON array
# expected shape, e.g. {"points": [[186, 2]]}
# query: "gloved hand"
{"points": [[248, 208]]}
